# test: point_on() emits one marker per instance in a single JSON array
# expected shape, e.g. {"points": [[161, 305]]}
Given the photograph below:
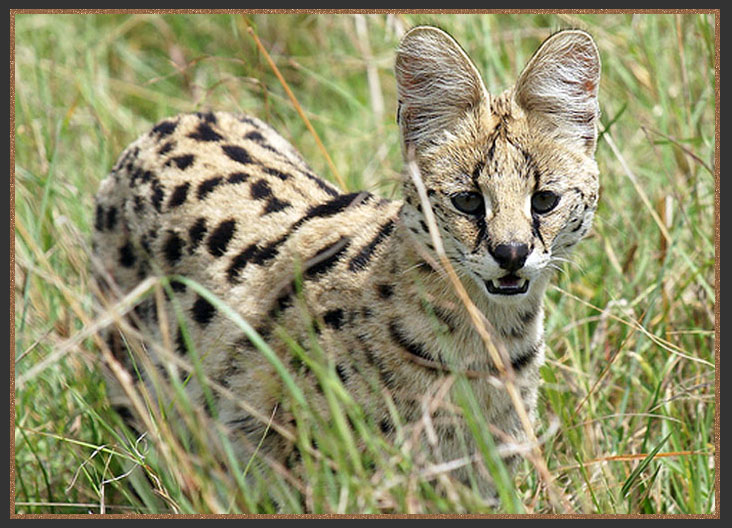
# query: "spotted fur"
{"points": [[226, 201]]}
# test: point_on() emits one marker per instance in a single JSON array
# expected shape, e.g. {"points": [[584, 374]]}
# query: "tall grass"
{"points": [[627, 408]]}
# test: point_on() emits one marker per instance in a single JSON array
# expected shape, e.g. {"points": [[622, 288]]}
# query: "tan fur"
{"points": [[224, 200]]}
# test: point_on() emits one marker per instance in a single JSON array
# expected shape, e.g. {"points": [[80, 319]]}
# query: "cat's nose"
{"points": [[510, 257]]}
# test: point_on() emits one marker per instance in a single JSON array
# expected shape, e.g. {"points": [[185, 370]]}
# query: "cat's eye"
{"points": [[468, 202], [544, 201]]}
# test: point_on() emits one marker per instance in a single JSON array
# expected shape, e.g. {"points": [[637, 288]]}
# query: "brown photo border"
{"points": [[716, 430]]}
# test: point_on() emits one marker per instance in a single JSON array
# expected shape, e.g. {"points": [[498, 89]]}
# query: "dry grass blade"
{"points": [[299, 109], [89, 330], [663, 343], [641, 193], [683, 148], [632, 457]]}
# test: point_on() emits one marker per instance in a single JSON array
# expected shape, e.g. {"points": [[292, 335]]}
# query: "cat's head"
{"points": [[511, 178]]}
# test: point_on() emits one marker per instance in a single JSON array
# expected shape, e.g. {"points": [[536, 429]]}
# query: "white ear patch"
{"points": [[437, 83], [560, 85]]}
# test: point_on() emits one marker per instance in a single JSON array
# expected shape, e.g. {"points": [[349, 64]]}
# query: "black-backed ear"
{"points": [[559, 86], [437, 85]]}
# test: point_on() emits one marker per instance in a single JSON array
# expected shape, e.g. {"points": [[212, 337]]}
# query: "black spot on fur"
{"points": [[415, 349], [111, 217], [526, 357], [258, 255], [184, 161], [166, 148], [246, 424], [529, 315], [267, 252], [164, 128], [208, 117], [326, 258], [99, 218], [363, 257], [157, 196], [261, 190], [207, 186], [386, 426], [179, 195], [385, 290], [134, 174], [342, 373], [275, 205], [177, 286], [237, 177], [274, 172], [203, 311], [239, 263], [237, 154], [220, 237], [127, 255], [316, 326], [139, 206], [173, 248], [386, 374], [204, 132], [254, 136], [331, 207], [146, 176], [282, 303], [515, 331], [248, 120], [196, 233], [252, 254], [334, 318]]}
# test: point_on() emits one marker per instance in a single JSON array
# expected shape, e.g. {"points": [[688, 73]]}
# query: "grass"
{"points": [[627, 409]]}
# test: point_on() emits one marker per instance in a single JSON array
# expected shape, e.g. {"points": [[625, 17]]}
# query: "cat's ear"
{"points": [[437, 85], [558, 88]]}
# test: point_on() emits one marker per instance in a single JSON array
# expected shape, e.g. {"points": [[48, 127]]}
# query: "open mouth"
{"points": [[507, 285]]}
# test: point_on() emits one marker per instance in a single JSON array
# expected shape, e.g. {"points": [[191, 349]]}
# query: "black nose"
{"points": [[510, 257]]}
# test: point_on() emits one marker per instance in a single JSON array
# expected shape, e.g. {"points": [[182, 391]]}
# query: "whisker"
{"points": [[555, 259]]}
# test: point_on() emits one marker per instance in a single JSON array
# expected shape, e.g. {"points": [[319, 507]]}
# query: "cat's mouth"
{"points": [[507, 285]]}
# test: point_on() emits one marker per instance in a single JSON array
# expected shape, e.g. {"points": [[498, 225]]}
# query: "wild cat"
{"points": [[224, 200]]}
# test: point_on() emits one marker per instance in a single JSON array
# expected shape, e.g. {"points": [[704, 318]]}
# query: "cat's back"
{"points": [[224, 200]]}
